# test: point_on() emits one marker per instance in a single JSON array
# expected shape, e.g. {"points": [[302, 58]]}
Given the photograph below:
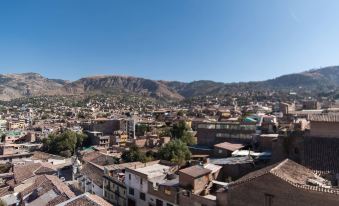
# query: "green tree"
{"points": [[182, 131], [4, 168], [133, 155], [188, 138], [180, 113], [141, 129], [178, 129], [164, 132], [63, 144], [175, 151]]}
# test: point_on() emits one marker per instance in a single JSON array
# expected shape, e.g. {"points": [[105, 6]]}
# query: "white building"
{"points": [[137, 183]]}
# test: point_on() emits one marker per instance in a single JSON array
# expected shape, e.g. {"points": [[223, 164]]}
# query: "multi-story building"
{"points": [[110, 126], [128, 125], [3, 125], [138, 181], [106, 126], [16, 124], [114, 187], [197, 185], [97, 138], [209, 134], [119, 138], [310, 105]]}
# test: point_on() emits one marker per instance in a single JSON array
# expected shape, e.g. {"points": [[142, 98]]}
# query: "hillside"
{"points": [[122, 84], [28, 84], [31, 84]]}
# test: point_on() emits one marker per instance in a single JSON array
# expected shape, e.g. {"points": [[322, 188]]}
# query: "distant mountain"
{"points": [[28, 84], [31, 84], [122, 84]]}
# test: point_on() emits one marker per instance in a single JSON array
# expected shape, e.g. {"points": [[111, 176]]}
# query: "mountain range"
{"points": [[32, 84]]}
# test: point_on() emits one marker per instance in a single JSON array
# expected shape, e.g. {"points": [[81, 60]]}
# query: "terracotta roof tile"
{"points": [[87, 200], [93, 172], [290, 172], [23, 172]]}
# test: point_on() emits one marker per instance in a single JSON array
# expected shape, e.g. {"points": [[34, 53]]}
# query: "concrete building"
{"points": [[119, 138], [138, 181], [3, 125], [286, 108], [115, 190], [310, 105], [128, 125], [209, 134], [198, 185], [97, 138], [16, 124], [106, 126]]}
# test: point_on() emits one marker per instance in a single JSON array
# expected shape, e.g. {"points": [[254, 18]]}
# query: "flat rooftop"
{"points": [[154, 170]]}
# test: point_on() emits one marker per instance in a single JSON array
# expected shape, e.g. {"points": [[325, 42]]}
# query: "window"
{"points": [[268, 199], [131, 191], [129, 176], [140, 181], [158, 202], [296, 150], [142, 196]]}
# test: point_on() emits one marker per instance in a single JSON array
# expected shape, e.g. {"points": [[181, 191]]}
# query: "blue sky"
{"points": [[185, 40]]}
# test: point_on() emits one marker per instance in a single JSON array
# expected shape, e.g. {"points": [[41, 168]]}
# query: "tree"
{"points": [[4, 168], [141, 129], [182, 131], [188, 138], [180, 113], [164, 132], [178, 129], [133, 155], [63, 144], [175, 151]]}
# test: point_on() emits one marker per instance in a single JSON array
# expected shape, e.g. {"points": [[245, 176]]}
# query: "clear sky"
{"points": [[185, 40]]}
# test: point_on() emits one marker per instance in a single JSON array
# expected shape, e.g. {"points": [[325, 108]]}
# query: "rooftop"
{"points": [[131, 165], [229, 146], [231, 160], [195, 171], [292, 173], [154, 170], [86, 199], [324, 118]]}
